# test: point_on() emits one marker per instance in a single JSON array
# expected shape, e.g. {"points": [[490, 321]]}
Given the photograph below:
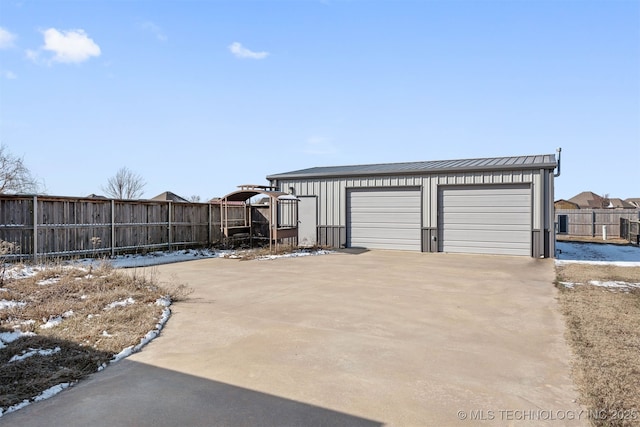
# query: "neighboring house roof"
{"points": [[96, 196], [168, 196], [619, 203], [565, 204], [544, 161], [589, 200], [635, 201]]}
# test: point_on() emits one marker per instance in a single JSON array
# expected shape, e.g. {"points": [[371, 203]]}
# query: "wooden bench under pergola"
{"points": [[238, 221]]}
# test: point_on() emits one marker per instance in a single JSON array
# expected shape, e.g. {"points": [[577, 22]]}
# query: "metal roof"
{"points": [[542, 161], [248, 191]]}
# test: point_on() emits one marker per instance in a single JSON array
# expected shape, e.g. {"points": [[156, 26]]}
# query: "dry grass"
{"points": [[603, 327], [588, 239], [92, 329], [254, 253]]}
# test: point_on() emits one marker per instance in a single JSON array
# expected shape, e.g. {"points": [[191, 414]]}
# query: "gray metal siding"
{"points": [[384, 218], [332, 196], [486, 219]]}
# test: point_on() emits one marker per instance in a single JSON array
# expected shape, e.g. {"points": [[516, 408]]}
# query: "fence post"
{"points": [[35, 229], [210, 230], [113, 227], [593, 223], [169, 223]]}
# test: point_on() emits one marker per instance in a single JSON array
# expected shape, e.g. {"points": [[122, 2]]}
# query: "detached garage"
{"points": [[500, 206]]}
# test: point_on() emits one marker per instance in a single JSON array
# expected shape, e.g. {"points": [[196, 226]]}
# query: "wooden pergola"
{"points": [[282, 215]]}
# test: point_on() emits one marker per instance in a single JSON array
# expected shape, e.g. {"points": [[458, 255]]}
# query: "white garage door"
{"points": [[493, 219], [384, 219]]}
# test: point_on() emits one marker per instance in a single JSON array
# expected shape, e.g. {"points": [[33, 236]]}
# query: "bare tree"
{"points": [[194, 199], [125, 184], [14, 175]]}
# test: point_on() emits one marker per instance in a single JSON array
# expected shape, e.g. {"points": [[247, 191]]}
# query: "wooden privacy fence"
{"points": [[589, 222], [630, 230], [44, 226]]}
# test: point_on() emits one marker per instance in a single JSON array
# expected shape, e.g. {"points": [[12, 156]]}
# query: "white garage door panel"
{"points": [[466, 202], [489, 219], [384, 219], [365, 219], [487, 236]]}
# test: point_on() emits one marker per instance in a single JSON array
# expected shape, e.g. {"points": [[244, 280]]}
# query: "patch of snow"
{"points": [[569, 285], [8, 337], [106, 334], [163, 302], [51, 281], [10, 304], [295, 254], [597, 253], [15, 407], [20, 271], [613, 263], [52, 391], [122, 303], [55, 321], [155, 258], [608, 284], [145, 340], [52, 322], [614, 284], [34, 352], [25, 323]]}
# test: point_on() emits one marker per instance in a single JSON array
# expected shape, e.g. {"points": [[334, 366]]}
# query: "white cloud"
{"points": [[242, 52], [9, 75], [32, 54], [6, 39], [154, 29], [69, 46], [319, 145]]}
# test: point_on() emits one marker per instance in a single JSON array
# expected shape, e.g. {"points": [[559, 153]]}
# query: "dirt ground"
{"points": [[597, 239], [603, 330]]}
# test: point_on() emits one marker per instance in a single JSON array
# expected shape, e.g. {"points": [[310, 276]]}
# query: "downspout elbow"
{"points": [[557, 174]]}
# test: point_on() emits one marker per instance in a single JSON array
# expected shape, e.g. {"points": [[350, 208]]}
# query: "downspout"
{"points": [[552, 243]]}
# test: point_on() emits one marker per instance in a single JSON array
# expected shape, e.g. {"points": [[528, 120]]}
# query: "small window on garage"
{"points": [[563, 224]]}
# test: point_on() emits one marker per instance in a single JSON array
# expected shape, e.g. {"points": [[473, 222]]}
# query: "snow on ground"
{"points": [[122, 303], [10, 304], [597, 253], [7, 337], [158, 258], [33, 352]]}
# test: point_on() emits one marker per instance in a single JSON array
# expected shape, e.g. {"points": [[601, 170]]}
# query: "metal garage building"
{"points": [[491, 206]]}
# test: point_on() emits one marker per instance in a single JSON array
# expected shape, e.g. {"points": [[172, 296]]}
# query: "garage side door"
{"points": [[384, 219], [492, 219]]}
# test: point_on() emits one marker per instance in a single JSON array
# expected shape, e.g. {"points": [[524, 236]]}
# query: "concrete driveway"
{"points": [[368, 339]]}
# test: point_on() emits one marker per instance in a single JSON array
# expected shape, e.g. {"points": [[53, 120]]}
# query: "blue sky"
{"points": [[200, 96]]}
